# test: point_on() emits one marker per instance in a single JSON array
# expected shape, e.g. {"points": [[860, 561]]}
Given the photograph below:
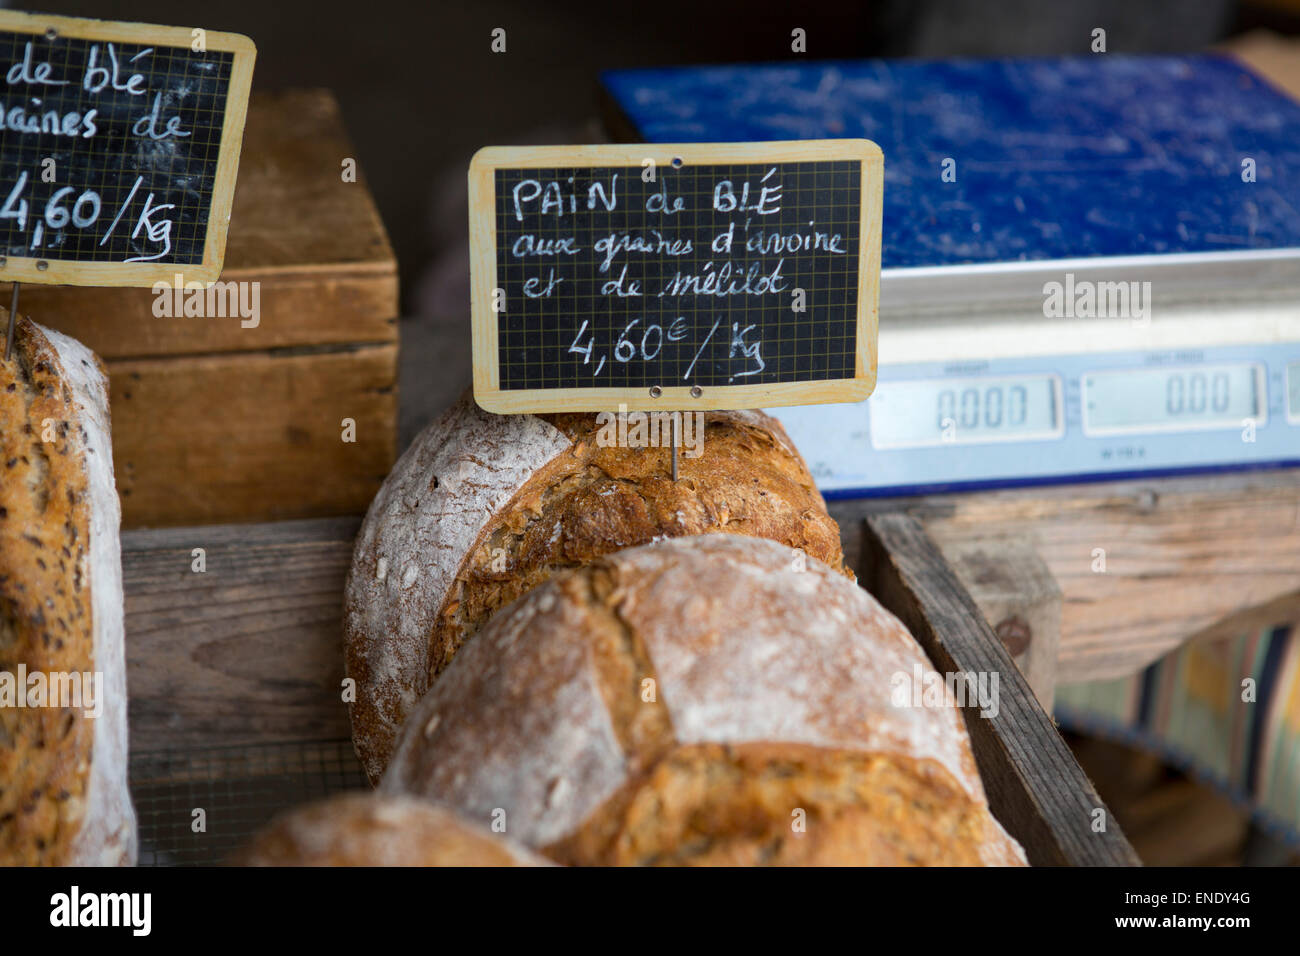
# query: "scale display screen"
{"points": [[1171, 399], [969, 410], [944, 424], [1293, 391]]}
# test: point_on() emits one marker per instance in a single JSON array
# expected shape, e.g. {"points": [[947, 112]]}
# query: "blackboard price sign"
{"points": [[686, 276], [119, 146]]}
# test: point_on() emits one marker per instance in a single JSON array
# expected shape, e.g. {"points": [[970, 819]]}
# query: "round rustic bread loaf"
{"points": [[701, 701], [63, 771], [374, 830], [482, 508]]}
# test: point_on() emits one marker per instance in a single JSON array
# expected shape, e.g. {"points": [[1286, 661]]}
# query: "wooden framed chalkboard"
{"points": [[674, 276], [119, 146]]}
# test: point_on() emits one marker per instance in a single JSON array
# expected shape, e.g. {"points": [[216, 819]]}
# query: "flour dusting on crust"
{"points": [[108, 830], [795, 669], [745, 648], [364, 829], [420, 528], [555, 756]]}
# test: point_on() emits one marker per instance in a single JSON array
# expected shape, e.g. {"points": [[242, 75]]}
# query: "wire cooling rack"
{"points": [[238, 789]]}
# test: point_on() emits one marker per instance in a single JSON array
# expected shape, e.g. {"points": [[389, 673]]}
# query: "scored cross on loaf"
{"points": [[482, 508]]}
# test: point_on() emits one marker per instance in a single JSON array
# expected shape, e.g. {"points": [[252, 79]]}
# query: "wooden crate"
{"points": [[214, 422], [1187, 558], [246, 656], [235, 673]]}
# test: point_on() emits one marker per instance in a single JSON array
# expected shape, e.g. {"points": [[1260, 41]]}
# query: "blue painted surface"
{"points": [[1055, 158]]}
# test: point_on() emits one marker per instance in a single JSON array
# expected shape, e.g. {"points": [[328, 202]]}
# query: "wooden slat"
{"points": [[1184, 556], [336, 308], [1020, 600], [250, 650], [244, 437], [292, 207], [1273, 57], [1035, 787]]}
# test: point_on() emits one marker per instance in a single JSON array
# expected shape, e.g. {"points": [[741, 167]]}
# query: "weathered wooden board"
{"points": [[1274, 57], [1035, 787], [224, 437], [1021, 601], [1184, 557], [296, 308], [247, 651]]}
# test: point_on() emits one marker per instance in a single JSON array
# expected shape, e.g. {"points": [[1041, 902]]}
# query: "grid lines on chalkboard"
{"points": [[132, 190], [568, 323]]}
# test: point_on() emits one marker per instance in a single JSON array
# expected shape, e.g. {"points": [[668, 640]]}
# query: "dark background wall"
{"points": [[421, 89]]}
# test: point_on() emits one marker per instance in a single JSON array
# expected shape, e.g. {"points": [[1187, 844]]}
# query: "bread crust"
{"points": [[374, 830], [63, 775], [678, 702], [482, 508]]}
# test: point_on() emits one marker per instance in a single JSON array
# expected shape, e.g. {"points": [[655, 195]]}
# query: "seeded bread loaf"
{"points": [[701, 701], [374, 830], [482, 508], [63, 774]]}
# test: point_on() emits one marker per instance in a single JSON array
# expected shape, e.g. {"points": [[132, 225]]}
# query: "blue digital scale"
{"points": [[1105, 284]]}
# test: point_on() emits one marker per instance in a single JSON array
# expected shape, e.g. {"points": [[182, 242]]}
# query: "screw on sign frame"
{"points": [[168, 105]]}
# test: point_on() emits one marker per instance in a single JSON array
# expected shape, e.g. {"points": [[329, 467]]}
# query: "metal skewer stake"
{"points": [[13, 317], [674, 421]]}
